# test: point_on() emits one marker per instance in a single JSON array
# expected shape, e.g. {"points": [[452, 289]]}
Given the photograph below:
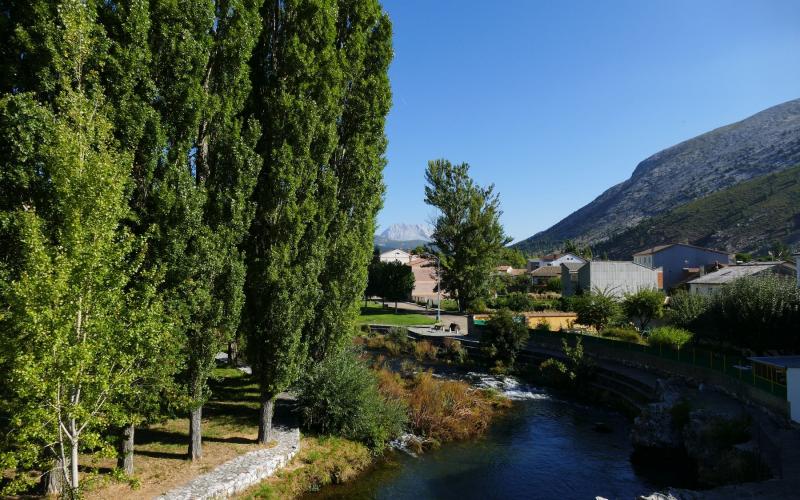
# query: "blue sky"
{"points": [[555, 101]]}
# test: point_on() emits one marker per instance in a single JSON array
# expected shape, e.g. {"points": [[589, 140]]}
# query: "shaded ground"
{"points": [[230, 428]]}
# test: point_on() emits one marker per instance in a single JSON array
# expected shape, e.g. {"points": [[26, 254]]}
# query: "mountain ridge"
{"points": [[764, 143]]}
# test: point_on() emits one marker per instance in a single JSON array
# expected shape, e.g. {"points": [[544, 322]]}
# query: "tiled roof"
{"points": [[658, 248], [547, 271]]}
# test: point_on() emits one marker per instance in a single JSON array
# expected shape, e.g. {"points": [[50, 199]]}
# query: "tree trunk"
{"points": [[233, 354], [195, 434], [74, 480], [54, 479], [265, 418], [125, 456]]}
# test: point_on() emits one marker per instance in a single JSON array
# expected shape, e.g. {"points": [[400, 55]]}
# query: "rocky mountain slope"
{"points": [[764, 143], [747, 217], [407, 232]]}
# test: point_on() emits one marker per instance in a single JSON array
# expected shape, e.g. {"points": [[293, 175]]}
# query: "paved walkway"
{"points": [[446, 318], [243, 471]]}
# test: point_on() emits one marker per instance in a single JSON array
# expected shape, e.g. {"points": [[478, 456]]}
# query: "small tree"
{"points": [[644, 306], [554, 285], [506, 334], [686, 308], [397, 281], [596, 309]]}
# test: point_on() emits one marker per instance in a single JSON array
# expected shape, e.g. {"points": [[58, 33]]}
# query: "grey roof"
{"points": [[546, 271], [781, 361], [730, 273], [572, 266]]}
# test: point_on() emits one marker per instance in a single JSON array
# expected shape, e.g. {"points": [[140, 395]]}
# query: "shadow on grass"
{"points": [[164, 454]]}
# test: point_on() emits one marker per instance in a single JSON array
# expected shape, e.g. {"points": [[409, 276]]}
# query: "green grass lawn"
{"points": [[375, 314]]}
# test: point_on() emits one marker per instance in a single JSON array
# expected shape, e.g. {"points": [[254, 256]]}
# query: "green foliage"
{"points": [[518, 302], [505, 334], [467, 234], [453, 351], [686, 309], [644, 306], [397, 281], [508, 256], [554, 285], [669, 336], [596, 309], [364, 42], [759, 312], [574, 373], [543, 325], [626, 334], [340, 396]]}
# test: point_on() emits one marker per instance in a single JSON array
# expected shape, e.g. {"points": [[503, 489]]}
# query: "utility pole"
{"points": [[438, 292]]}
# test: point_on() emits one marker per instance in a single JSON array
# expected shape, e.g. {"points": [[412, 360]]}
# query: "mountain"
{"points": [[747, 217], [407, 232], [405, 236], [764, 143]]}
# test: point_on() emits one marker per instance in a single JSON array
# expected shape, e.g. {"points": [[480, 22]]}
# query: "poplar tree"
{"points": [[467, 234], [199, 196], [363, 41], [297, 90], [74, 327]]}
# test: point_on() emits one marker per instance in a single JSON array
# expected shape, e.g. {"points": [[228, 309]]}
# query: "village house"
{"points": [[710, 283], [396, 255], [544, 274], [610, 277], [680, 260], [555, 259]]}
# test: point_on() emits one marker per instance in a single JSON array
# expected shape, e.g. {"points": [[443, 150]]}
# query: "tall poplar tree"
{"points": [[364, 44], [467, 234], [297, 89], [74, 327], [199, 196]]}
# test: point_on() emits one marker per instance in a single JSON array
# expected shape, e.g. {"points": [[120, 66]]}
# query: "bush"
{"points": [[340, 396], [596, 309], [759, 312], [543, 325], [519, 302], [554, 285], [399, 336], [574, 374], [626, 334], [505, 334], [686, 309], [453, 351], [669, 336]]}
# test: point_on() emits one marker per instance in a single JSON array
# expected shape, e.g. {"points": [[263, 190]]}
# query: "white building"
{"points": [[610, 277], [396, 255], [710, 283]]}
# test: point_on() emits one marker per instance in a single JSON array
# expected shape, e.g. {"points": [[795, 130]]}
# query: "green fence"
{"points": [[735, 367]]}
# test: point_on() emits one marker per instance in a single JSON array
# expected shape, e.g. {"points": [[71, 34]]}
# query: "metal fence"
{"points": [[735, 367]]}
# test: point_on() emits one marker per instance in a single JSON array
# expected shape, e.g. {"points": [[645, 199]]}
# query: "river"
{"points": [[545, 447]]}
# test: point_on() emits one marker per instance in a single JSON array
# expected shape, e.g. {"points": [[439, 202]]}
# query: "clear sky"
{"points": [[555, 101]]}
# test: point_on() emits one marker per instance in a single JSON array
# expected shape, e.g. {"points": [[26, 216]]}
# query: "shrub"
{"points": [[519, 302], [453, 351], [340, 396], [575, 373], [685, 309], [447, 410], [554, 285], [596, 309], [555, 373], [644, 306], [669, 336], [505, 334], [759, 312], [543, 325], [399, 336], [680, 413], [626, 334], [423, 350]]}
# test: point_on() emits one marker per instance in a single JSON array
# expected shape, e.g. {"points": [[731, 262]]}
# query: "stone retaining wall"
{"points": [[242, 472]]}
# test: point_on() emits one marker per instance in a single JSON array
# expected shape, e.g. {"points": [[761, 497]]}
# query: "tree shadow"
{"points": [[163, 454]]}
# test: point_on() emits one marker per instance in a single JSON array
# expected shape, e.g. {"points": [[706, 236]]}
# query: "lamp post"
{"points": [[438, 293]]}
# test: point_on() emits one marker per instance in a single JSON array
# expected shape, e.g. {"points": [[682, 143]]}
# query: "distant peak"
{"points": [[407, 232]]}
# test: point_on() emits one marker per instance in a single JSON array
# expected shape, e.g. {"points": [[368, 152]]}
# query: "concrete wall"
{"points": [[677, 257], [705, 290], [616, 278], [793, 392]]}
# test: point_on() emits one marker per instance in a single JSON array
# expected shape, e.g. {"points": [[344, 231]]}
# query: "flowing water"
{"points": [[544, 448]]}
